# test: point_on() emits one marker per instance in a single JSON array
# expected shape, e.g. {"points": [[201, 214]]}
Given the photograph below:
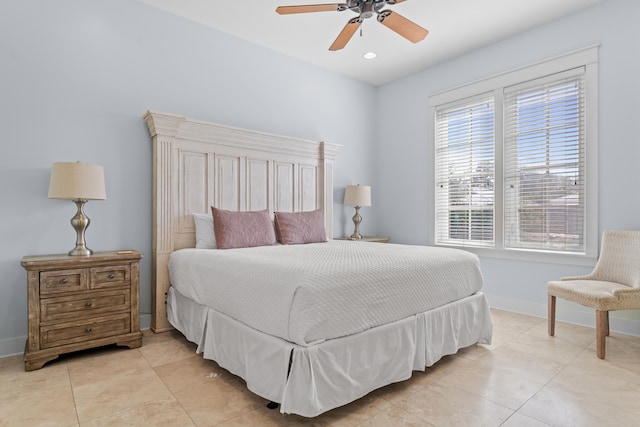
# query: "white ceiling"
{"points": [[455, 27]]}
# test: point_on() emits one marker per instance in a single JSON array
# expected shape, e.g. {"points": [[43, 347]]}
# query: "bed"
{"points": [[310, 326]]}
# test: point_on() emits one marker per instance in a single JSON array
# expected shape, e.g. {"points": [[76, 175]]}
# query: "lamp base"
{"points": [[80, 222], [357, 219], [80, 251]]}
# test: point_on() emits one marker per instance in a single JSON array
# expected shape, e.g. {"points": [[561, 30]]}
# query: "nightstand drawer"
{"points": [[61, 281], [111, 276], [73, 332], [87, 304]]}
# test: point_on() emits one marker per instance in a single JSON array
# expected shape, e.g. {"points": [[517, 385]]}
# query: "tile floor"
{"points": [[525, 378]]}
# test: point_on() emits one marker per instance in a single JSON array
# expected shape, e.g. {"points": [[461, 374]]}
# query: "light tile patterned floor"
{"points": [[525, 378]]}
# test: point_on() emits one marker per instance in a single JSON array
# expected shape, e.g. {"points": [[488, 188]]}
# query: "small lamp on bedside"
{"points": [[79, 182], [358, 196]]}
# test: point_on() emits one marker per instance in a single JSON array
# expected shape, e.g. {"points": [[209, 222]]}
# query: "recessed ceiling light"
{"points": [[369, 55]]}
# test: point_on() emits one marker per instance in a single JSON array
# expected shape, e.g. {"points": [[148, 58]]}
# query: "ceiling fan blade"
{"points": [[345, 35], [403, 26], [287, 10]]}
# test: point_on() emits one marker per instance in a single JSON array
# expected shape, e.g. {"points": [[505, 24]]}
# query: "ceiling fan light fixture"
{"points": [[369, 55]]}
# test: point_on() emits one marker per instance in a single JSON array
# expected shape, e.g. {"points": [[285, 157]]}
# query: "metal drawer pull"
{"points": [[88, 304], [87, 329], [64, 281], [111, 276]]}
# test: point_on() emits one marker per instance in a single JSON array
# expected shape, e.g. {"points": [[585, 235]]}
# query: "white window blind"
{"points": [[544, 163], [464, 143]]}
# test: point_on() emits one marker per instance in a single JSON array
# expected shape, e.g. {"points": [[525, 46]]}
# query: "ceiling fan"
{"points": [[365, 9]]}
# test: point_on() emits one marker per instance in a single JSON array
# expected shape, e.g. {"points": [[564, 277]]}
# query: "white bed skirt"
{"points": [[334, 372]]}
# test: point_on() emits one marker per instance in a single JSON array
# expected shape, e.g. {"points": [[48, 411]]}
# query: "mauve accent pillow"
{"points": [[300, 227], [242, 229]]}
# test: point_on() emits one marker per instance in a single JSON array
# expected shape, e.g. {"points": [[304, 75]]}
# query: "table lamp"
{"points": [[358, 196], [79, 182]]}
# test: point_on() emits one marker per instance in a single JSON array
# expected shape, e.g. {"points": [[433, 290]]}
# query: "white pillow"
{"points": [[205, 237]]}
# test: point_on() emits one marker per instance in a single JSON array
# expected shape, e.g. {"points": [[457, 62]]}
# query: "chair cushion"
{"points": [[597, 294]]}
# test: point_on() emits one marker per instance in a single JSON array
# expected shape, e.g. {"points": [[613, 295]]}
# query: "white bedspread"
{"points": [[309, 293]]}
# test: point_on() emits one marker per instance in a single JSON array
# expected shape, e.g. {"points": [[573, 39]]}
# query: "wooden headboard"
{"points": [[197, 165]]}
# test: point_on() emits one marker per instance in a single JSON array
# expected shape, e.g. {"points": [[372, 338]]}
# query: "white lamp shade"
{"points": [[357, 195], [77, 181]]}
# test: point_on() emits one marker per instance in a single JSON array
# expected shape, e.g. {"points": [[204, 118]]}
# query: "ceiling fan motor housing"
{"points": [[366, 8]]}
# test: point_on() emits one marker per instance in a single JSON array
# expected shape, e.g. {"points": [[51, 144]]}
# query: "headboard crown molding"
{"points": [[198, 164], [177, 126]]}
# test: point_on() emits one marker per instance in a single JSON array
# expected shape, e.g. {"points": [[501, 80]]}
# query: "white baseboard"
{"points": [[12, 346], [15, 346], [566, 312]]}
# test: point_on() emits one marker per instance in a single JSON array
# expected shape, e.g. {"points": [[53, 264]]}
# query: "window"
{"points": [[465, 172], [514, 167], [544, 146]]}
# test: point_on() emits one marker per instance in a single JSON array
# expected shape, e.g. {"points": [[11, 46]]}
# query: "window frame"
{"points": [[495, 85]]}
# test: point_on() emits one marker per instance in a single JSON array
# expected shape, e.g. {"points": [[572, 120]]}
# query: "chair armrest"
{"points": [[626, 291], [587, 277]]}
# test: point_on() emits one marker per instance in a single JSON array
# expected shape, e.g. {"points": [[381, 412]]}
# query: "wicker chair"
{"points": [[614, 284]]}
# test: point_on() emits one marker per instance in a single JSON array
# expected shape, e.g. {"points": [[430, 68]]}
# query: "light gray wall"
{"points": [[75, 79], [405, 183]]}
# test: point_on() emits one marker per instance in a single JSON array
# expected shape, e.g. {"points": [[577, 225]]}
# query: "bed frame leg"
{"points": [[272, 405]]}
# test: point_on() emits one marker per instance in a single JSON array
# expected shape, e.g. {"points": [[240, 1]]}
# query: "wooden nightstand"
{"points": [[77, 303], [377, 239]]}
